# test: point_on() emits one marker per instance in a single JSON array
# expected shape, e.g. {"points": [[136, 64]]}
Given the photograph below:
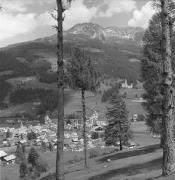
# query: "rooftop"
{"points": [[3, 154], [10, 157]]}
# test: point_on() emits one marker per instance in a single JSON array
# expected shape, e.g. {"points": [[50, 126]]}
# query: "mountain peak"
{"points": [[90, 29], [96, 31]]}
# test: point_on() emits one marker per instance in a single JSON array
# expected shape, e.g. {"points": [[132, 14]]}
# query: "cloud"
{"points": [[77, 13], [141, 17], [21, 17], [13, 5], [17, 18], [117, 6], [17, 6], [12, 25]]}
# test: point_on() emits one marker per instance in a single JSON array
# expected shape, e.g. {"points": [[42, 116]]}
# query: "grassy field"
{"points": [[133, 107], [30, 82], [74, 104], [141, 163]]}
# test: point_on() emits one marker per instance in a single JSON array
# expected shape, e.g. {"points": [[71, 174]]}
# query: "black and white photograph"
{"points": [[87, 89]]}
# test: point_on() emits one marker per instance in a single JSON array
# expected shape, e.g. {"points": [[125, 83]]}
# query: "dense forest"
{"points": [[5, 87], [111, 59], [114, 90], [47, 77], [47, 98]]}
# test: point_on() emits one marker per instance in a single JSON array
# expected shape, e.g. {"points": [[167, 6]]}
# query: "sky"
{"points": [[25, 20]]}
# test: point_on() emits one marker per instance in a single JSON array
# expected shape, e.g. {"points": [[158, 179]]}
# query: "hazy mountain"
{"points": [[95, 31]]}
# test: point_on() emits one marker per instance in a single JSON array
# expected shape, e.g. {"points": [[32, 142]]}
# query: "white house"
{"points": [[125, 85], [10, 159], [2, 155]]}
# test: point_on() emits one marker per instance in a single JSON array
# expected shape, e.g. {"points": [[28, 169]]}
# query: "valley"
{"points": [[33, 64]]}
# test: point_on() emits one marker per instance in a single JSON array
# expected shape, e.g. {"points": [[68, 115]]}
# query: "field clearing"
{"points": [[134, 107], [11, 111], [132, 93], [93, 102], [30, 82]]}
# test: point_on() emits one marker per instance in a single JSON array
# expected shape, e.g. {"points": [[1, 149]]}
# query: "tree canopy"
{"points": [[118, 128], [81, 72]]}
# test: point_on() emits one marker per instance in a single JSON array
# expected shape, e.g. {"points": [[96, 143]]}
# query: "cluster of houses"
{"points": [[47, 133]]}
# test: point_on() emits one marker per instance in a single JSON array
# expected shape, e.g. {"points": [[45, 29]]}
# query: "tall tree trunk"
{"points": [[120, 137], [60, 84], [167, 118], [84, 128], [121, 147], [161, 141]]}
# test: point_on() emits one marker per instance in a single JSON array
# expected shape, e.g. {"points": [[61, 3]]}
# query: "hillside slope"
{"points": [[112, 49]]}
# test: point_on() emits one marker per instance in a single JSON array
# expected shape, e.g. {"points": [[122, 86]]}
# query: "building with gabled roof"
{"points": [[2, 154], [10, 159]]}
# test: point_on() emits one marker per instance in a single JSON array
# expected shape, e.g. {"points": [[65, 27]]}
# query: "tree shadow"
{"points": [[160, 177], [136, 152], [133, 169]]}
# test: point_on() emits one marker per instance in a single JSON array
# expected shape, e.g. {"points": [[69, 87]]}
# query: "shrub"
{"points": [[70, 161], [94, 135], [23, 169], [42, 166], [31, 135], [77, 158], [33, 157]]}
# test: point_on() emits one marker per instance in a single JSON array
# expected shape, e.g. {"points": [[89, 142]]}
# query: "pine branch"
{"points": [[154, 64]]}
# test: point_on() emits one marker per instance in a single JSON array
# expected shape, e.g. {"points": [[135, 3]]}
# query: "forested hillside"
{"points": [[116, 55]]}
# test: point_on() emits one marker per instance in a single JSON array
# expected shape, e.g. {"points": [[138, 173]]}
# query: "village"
{"points": [[45, 135]]}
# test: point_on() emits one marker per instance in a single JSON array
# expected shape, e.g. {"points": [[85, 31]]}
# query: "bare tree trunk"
{"points": [[120, 137], [161, 141], [60, 83], [167, 118], [121, 147], [84, 128]]}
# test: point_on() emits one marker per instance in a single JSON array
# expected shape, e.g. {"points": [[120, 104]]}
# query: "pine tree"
{"points": [[31, 135], [50, 146], [20, 153], [83, 77], [23, 169], [8, 134], [33, 157], [151, 74], [118, 128], [23, 148], [157, 72], [44, 147], [168, 107]]}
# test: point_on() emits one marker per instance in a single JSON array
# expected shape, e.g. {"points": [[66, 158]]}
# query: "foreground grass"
{"points": [[138, 164]]}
